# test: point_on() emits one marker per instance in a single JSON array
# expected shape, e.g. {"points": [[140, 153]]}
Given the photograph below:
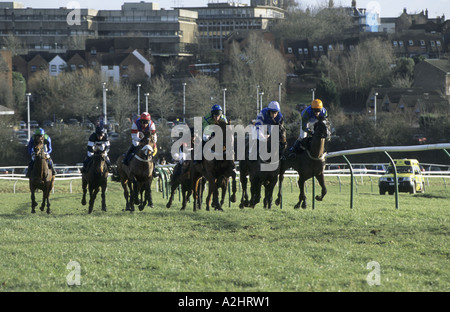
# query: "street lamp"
{"points": [[257, 99], [224, 101], [139, 99], [261, 101], [375, 107], [105, 121], [28, 108], [146, 101], [279, 92], [313, 91], [184, 101]]}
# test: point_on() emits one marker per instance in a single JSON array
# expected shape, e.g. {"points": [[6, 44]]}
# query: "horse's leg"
{"points": [[48, 199], [149, 196], [104, 186], [280, 191], [43, 198], [126, 195], [302, 196], [92, 195], [173, 189], [208, 197], [84, 187], [233, 187], [269, 192], [33, 200], [244, 197], [321, 180]]}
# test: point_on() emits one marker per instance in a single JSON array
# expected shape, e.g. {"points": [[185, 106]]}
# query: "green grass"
{"points": [[160, 249]]}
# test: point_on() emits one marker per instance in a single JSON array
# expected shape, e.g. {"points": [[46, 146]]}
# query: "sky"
{"points": [[387, 8]]}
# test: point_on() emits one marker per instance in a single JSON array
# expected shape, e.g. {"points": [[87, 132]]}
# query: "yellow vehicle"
{"points": [[409, 177]]}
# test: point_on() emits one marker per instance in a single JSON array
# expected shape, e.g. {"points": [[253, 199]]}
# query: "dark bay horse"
{"points": [[217, 172], [309, 163], [137, 177], [183, 180], [94, 178], [258, 177], [41, 176]]}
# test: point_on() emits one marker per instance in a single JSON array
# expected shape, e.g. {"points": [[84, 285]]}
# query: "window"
{"points": [[330, 47], [290, 50], [320, 48], [422, 42], [33, 68], [315, 48], [411, 42], [73, 67], [53, 68], [395, 44], [400, 43], [300, 51], [438, 43], [433, 44], [305, 50]]}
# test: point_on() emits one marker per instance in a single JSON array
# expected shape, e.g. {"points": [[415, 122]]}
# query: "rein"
{"points": [[321, 158], [143, 160]]}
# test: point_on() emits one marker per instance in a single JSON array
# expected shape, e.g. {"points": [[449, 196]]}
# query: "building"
{"points": [[218, 20], [170, 32], [433, 74]]}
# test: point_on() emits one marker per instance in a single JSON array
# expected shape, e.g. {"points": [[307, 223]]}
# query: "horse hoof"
{"points": [[151, 206], [49, 211], [297, 206], [33, 211], [104, 209], [141, 207], [83, 202], [319, 198], [42, 208], [304, 206], [168, 205], [233, 198], [277, 201]]}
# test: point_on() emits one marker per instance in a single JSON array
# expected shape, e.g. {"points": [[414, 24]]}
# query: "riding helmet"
{"points": [[100, 130], [39, 131], [274, 106], [215, 109], [145, 116], [317, 104]]}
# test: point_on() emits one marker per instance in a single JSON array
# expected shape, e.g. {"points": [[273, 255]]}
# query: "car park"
{"points": [[34, 124], [409, 178]]}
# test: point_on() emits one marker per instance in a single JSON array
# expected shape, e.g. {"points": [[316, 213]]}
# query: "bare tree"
{"points": [[162, 100]]}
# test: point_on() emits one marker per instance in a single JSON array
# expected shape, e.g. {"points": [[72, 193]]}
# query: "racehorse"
{"points": [[309, 163], [95, 177], [138, 175], [41, 176], [258, 177], [184, 179], [214, 171]]}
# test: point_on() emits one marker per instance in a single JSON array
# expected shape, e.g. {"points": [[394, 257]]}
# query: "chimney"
{"points": [[353, 3]]}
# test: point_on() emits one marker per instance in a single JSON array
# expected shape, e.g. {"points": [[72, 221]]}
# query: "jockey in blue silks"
{"points": [[47, 147]]}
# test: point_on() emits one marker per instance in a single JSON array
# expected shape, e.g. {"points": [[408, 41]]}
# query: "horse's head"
{"points": [[38, 145], [322, 128], [99, 162]]}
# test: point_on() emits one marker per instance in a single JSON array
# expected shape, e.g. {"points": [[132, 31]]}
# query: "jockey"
{"points": [[269, 116], [310, 116], [47, 146], [212, 118], [98, 141], [139, 127]]}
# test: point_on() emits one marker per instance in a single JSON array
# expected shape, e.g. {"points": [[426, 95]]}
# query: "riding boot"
{"points": [[155, 173], [108, 164], [294, 149], [127, 156], [50, 166]]}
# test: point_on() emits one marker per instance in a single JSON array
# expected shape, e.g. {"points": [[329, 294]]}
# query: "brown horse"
{"points": [[214, 171], [258, 177], [138, 175], [95, 177], [41, 176], [309, 163]]}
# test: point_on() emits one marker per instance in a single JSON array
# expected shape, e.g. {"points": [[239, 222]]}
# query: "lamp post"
{"points": [[28, 108], [224, 90], [184, 101], [279, 92], [261, 101], [257, 99], [146, 101], [105, 121], [139, 99], [313, 90], [375, 108]]}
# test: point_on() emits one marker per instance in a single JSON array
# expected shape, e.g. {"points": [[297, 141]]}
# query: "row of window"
{"points": [[61, 67], [400, 43], [137, 19]]}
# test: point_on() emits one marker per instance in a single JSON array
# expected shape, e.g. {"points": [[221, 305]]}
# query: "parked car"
{"points": [[379, 168], [34, 124], [73, 122], [409, 178], [113, 136], [22, 124], [48, 123]]}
